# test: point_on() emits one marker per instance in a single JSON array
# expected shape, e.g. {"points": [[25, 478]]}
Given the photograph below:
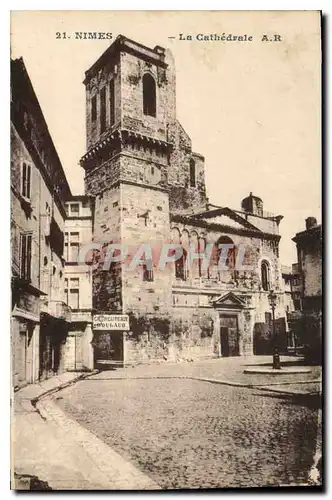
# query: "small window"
{"points": [[147, 271], [192, 173], [26, 181], [112, 103], [103, 110], [72, 294], [94, 108], [268, 318], [181, 271], [265, 276], [149, 95], [74, 209]]}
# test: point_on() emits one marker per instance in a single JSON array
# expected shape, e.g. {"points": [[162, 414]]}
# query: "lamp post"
{"points": [[276, 358]]}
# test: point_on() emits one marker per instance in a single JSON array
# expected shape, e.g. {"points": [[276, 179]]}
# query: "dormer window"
{"points": [[149, 95]]}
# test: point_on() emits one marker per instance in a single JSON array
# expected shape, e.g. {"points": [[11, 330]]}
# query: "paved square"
{"points": [[192, 434]]}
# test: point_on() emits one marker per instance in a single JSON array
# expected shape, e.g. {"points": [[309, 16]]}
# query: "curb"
{"points": [[49, 392], [249, 386], [260, 387]]}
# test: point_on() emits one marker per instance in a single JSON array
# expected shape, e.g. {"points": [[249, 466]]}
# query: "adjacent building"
{"points": [[39, 188], [309, 251], [78, 283]]}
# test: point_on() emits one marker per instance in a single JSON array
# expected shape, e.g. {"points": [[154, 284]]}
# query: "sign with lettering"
{"points": [[110, 322]]}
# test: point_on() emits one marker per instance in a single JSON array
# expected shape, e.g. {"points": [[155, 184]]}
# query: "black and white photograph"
{"points": [[166, 250]]}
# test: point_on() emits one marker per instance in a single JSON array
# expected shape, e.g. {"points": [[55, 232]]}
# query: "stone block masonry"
{"points": [[149, 187]]}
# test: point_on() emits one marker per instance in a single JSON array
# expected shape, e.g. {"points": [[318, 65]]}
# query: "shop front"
{"points": [[108, 340]]}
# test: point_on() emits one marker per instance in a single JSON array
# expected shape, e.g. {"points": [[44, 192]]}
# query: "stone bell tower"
{"points": [[130, 108]]}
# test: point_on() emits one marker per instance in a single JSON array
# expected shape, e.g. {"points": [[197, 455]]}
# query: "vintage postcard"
{"points": [[166, 239]]}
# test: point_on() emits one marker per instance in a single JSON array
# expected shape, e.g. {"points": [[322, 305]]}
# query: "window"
{"points": [[94, 108], [72, 292], [201, 249], [25, 260], [74, 209], [225, 244], [268, 318], [192, 173], [102, 110], [71, 246], [148, 271], [26, 181], [265, 275], [181, 271], [149, 95], [112, 103]]}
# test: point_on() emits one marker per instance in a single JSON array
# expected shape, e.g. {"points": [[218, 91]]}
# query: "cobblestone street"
{"points": [[193, 434]]}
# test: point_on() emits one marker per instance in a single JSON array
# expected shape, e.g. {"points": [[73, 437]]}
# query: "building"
{"points": [[309, 251], [288, 278], [149, 188], [78, 284], [296, 287], [40, 317]]}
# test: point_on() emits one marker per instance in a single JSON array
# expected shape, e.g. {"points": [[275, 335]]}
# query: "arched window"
{"points": [[201, 249], [265, 275], [149, 95], [226, 246], [192, 173], [181, 271]]}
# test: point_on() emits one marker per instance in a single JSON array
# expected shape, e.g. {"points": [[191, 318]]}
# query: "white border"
{"points": [[324, 5]]}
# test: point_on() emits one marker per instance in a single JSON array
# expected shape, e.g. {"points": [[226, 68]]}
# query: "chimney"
{"points": [[310, 222]]}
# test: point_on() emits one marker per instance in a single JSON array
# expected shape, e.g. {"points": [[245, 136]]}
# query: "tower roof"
{"points": [[124, 44]]}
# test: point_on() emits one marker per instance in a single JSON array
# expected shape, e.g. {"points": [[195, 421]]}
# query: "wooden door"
{"points": [[229, 335]]}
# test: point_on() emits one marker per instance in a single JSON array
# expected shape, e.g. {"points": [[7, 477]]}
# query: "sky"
{"points": [[251, 108]]}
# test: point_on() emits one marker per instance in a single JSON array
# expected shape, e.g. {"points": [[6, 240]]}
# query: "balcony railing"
{"points": [[57, 309], [78, 315]]}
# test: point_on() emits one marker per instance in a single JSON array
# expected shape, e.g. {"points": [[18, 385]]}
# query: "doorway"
{"points": [[108, 349], [229, 335]]}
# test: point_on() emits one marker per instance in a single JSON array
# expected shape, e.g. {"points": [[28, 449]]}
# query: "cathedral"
{"points": [[148, 187]]}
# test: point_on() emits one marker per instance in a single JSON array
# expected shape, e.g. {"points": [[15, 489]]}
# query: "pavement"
{"points": [[58, 451], [51, 451]]}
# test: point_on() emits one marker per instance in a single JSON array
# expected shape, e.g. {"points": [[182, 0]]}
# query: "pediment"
{"points": [[229, 300], [224, 220], [226, 217]]}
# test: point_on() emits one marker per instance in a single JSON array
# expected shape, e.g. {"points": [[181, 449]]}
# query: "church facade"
{"points": [[148, 186]]}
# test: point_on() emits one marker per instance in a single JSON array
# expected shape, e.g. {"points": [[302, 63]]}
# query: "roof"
{"points": [[23, 94], [124, 44], [314, 233]]}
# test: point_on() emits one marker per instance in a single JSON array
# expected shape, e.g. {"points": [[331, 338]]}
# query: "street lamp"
{"points": [[276, 358]]}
